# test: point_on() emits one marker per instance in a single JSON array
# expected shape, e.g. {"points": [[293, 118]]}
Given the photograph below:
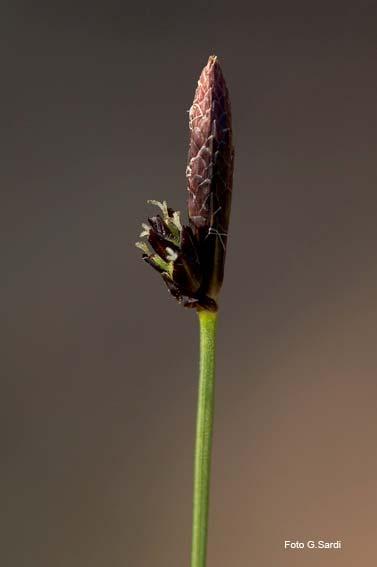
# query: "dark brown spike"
{"points": [[191, 258], [210, 172]]}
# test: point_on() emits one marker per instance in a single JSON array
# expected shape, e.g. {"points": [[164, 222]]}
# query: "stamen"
{"points": [[163, 206], [146, 230], [171, 255], [143, 246]]}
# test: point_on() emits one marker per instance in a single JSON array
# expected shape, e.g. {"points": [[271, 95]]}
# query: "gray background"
{"points": [[98, 364]]}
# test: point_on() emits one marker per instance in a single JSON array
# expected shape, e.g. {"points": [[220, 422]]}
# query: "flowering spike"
{"points": [[210, 172], [191, 258]]}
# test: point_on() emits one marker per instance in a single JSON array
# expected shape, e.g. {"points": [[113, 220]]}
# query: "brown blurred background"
{"points": [[99, 365]]}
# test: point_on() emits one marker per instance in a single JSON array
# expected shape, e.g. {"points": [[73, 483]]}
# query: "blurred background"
{"points": [[99, 364]]}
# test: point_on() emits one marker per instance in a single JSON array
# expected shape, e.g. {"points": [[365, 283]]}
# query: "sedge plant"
{"points": [[190, 259]]}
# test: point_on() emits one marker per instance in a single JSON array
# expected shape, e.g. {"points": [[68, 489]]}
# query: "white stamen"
{"points": [[163, 206], [143, 246], [146, 230], [171, 255]]}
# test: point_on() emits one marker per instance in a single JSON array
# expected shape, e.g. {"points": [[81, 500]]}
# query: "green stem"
{"points": [[203, 445]]}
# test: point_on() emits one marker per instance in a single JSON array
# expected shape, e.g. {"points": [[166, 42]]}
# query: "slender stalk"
{"points": [[203, 445]]}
